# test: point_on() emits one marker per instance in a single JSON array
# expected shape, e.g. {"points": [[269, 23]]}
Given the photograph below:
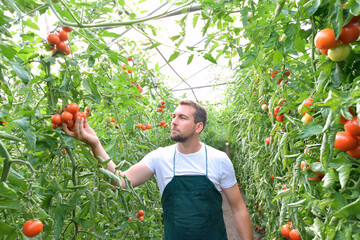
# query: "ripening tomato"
{"points": [[67, 51], [63, 35], [272, 176], [264, 107], [53, 38], [141, 213], [160, 109], [355, 153], [32, 228], [272, 74], [268, 140], [72, 108], [287, 73], [285, 230], [325, 39], [279, 81], [139, 125], [80, 115], [148, 126], [141, 218], [344, 141], [130, 218], [339, 53], [112, 120], [162, 102], [307, 102], [164, 125], [143, 128], [129, 71], [66, 29], [66, 116], [343, 120], [324, 51], [352, 127], [294, 234], [130, 59], [349, 33], [61, 46], [56, 119], [280, 118], [70, 123], [276, 110], [162, 122]]}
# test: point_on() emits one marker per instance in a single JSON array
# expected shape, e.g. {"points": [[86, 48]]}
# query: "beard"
{"points": [[180, 138]]}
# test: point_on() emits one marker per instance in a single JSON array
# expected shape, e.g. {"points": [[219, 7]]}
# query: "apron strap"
{"points": [[206, 159]]}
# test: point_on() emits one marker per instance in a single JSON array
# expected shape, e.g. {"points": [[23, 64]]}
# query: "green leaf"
{"points": [[277, 58], [10, 204], [309, 130], [350, 209], [195, 19], [111, 175], [190, 59], [344, 174], [312, 6], [209, 57], [30, 138], [5, 135], [6, 229], [174, 56], [281, 194], [21, 72], [8, 51], [31, 24], [22, 123], [329, 178], [7, 192]]}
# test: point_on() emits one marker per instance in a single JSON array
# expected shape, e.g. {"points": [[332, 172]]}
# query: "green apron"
{"points": [[192, 208]]}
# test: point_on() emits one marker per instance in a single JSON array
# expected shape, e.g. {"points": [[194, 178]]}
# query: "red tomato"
{"points": [[148, 126], [56, 119], [294, 235], [139, 125], [67, 51], [53, 38], [66, 116], [112, 120], [61, 46], [285, 231], [355, 153], [280, 80], [81, 115], [287, 73], [352, 127], [162, 102], [141, 218], [141, 213], [345, 142], [143, 128], [63, 35], [349, 33], [276, 110], [324, 51], [164, 125], [66, 29], [307, 102], [72, 108], [268, 140], [130, 218], [325, 39], [272, 176], [272, 74], [130, 59], [280, 118], [343, 120], [70, 123], [355, 19], [32, 228]]}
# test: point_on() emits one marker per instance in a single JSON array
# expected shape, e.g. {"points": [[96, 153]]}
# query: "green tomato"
{"points": [[339, 53], [108, 120]]}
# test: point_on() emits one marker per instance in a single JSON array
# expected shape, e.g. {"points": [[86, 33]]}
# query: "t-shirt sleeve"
{"points": [[228, 178], [150, 160]]}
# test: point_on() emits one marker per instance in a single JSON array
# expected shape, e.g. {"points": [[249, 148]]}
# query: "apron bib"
{"points": [[192, 208]]}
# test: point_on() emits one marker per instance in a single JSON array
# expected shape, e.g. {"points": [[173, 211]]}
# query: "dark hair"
{"points": [[200, 114]]}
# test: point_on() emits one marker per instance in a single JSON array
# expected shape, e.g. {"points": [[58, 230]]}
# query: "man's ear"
{"points": [[199, 127]]}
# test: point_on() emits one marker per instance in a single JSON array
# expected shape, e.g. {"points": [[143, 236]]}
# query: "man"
{"points": [[190, 176]]}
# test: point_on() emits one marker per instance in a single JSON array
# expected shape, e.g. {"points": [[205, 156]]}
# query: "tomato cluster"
{"points": [[338, 49], [306, 116], [138, 86], [318, 178], [140, 215], [289, 233], [58, 41], [280, 117], [349, 140], [161, 106], [68, 116], [143, 127], [3, 123], [162, 123], [129, 71], [286, 73], [32, 228]]}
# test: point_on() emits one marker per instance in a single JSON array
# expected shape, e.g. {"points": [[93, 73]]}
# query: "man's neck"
{"points": [[189, 146]]}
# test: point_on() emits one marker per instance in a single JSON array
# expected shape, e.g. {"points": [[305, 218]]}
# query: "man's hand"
{"points": [[82, 132]]}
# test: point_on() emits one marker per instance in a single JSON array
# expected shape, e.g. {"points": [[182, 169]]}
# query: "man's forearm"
{"points": [[243, 225]]}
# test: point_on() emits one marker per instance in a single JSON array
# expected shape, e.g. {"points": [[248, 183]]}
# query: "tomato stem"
{"points": [[7, 162]]}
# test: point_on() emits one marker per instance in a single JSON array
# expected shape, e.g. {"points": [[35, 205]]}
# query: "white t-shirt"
{"points": [[220, 168]]}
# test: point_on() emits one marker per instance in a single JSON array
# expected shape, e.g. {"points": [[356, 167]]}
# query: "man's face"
{"points": [[183, 126]]}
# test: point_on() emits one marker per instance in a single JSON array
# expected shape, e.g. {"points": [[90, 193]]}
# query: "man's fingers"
{"points": [[66, 130]]}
